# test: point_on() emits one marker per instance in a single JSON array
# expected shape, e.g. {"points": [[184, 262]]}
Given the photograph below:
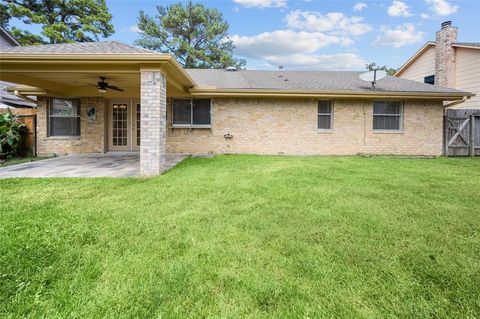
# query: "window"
{"points": [[429, 79], [325, 115], [64, 117], [191, 112], [387, 115]]}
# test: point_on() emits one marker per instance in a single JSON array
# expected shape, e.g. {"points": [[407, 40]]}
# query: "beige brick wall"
{"points": [[92, 132], [273, 126], [289, 126]]}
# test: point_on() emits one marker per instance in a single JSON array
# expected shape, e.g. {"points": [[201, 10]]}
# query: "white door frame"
{"points": [[131, 125], [135, 124]]}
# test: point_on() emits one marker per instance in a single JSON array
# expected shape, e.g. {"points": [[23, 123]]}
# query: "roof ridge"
{"points": [[134, 46], [100, 47]]}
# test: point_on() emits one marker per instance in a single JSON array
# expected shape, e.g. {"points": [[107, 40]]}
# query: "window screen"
{"points": [[201, 112], [387, 115], [325, 115], [182, 112], [191, 112], [64, 117]]}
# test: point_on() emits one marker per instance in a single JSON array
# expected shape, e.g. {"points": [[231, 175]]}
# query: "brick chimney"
{"points": [[445, 55]]}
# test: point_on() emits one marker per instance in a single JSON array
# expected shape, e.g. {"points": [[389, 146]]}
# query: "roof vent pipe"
{"points": [[446, 24]]}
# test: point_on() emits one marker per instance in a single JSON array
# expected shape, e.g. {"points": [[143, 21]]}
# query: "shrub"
{"points": [[10, 134]]}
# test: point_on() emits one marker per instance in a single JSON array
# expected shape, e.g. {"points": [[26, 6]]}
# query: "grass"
{"points": [[247, 237], [21, 160]]}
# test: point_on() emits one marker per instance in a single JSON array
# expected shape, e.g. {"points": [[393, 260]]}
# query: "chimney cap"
{"points": [[446, 24]]}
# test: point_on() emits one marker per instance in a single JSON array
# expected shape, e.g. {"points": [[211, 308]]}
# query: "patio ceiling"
{"points": [[77, 75]]}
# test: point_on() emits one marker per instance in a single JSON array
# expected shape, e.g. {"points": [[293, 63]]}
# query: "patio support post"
{"points": [[153, 145]]}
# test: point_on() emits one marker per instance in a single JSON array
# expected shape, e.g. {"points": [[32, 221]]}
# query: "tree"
{"points": [[26, 37], [197, 36], [61, 20], [4, 15], [373, 66]]}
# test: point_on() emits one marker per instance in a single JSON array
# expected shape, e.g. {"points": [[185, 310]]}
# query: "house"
{"points": [[9, 100], [6, 39], [447, 63], [107, 96]]}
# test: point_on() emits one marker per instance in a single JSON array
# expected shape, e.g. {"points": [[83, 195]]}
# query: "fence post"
{"points": [[472, 135], [34, 148], [445, 134]]}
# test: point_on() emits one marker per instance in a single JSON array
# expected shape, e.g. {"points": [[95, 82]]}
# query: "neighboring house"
{"points": [[447, 63], [7, 99], [165, 108], [6, 39]]}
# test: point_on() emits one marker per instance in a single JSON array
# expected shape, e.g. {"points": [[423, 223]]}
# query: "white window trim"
{"points": [[400, 115], [191, 125], [331, 114]]}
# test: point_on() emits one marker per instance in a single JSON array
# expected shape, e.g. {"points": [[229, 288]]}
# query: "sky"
{"points": [[319, 34]]}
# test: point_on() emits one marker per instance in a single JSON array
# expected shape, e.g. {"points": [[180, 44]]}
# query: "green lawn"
{"points": [[21, 160], [247, 237]]}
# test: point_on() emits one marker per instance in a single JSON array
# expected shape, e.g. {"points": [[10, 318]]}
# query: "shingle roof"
{"points": [[10, 99], [104, 47], [306, 80], [347, 81]]}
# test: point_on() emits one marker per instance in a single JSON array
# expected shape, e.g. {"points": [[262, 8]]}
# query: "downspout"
{"points": [[23, 97], [456, 102]]}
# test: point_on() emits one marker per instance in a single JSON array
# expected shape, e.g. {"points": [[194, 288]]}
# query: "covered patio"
{"points": [[70, 72], [85, 165]]}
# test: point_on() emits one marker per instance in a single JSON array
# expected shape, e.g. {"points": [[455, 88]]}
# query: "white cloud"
{"points": [[399, 9], [286, 41], [296, 50], [341, 61], [334, 22], [424, 16], [442, 7], [399, 36], [262, 3], [134, 28], [359, 6]]}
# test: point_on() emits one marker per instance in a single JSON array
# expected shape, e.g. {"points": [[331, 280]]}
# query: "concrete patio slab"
{"points": [[85, 165]]}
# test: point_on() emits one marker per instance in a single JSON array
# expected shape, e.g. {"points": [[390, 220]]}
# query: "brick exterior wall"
{"points": [[92, 132], [289, 126], [258, 126], [445, 56], [153, 99]]}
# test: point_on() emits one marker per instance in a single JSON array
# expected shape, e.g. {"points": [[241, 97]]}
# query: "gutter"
{"points": [[23, 97], [457, 102], [212, 92]]}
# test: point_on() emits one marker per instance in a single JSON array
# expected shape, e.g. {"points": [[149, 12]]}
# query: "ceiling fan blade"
{"points": [[113, 87]]}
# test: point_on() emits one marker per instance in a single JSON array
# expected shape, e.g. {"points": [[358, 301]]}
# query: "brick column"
{"points": [[153, 144]]}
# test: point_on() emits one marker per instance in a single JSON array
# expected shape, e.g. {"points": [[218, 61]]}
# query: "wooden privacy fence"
{"points": [[28, 146], [462, 132], [28, 117]]}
